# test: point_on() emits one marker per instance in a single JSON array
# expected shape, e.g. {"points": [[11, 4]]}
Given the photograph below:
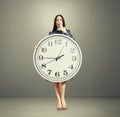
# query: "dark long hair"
{"points": [[54, 26]]}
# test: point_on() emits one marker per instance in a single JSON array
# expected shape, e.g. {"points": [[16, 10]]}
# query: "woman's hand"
{"points": [[63, 29]]}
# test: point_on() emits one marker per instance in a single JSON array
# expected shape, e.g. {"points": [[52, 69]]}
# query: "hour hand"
{"points": [[48, 57], [41, 57], [59, 57]]}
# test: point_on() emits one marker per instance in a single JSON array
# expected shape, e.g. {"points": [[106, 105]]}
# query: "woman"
{"points": [[59, 28]]}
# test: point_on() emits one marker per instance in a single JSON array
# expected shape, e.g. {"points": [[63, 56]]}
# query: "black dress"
{"points": [[68, 33]]}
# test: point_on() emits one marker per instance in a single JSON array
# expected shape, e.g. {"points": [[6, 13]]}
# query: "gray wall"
{"points": [[94, 24]]}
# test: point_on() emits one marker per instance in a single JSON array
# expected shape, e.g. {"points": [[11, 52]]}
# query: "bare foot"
{"points": [[64, 105], [59, 106]]}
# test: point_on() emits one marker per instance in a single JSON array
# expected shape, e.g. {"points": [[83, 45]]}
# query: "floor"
{"points": [[46, 107]]}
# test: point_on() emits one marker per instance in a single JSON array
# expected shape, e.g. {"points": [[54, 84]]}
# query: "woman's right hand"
{"points": [[63, 29]]}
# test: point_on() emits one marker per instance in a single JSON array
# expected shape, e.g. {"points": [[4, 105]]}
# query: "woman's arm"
{"points": [[69, 34]]}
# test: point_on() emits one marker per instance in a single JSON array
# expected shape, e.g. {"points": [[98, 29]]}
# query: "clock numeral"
{"points": [[65, 72], [50, 43], [49, 72], [71, 67], [74, 58], [58, 42], [57, 74], [43, 66], [40, 57], [72, 50], [44, 50]]}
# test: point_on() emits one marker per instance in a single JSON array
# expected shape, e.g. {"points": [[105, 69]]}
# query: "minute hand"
{"points": [[50, 61]]}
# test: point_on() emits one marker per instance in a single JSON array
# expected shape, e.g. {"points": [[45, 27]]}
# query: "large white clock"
{"points": [[57, 58]]}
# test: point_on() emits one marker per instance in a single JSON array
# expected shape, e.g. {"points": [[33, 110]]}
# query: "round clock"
{"points": [[57, 58]]}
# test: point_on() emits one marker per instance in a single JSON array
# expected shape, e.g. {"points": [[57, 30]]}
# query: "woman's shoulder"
{"points": [[69, 33], [68, 30], [50, 33]]}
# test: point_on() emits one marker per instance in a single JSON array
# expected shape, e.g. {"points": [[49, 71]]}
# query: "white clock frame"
{"points": [[56, 78]]}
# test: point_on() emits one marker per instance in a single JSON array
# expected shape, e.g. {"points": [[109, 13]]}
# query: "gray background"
{"points": [[95, 25]]}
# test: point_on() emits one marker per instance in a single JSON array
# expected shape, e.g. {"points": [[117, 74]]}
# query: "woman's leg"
{"points": [[58, 94], [62, 92]]}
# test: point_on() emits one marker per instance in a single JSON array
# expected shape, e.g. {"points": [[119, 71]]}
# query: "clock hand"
{"points": [[50, 61], [55, 59], [59, 57], [49, 58], [60, 51]]}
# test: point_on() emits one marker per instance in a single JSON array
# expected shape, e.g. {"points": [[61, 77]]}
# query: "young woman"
{"points": [[60, 28]]}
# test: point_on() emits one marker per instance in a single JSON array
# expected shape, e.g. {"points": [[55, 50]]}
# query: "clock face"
{"points": [[57, 58]]}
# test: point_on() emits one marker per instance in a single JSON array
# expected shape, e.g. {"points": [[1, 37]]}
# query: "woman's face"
{"points": [[59, 22]]}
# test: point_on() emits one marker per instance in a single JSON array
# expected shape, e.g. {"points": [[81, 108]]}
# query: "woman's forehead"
{"points": [[59, 17]]}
